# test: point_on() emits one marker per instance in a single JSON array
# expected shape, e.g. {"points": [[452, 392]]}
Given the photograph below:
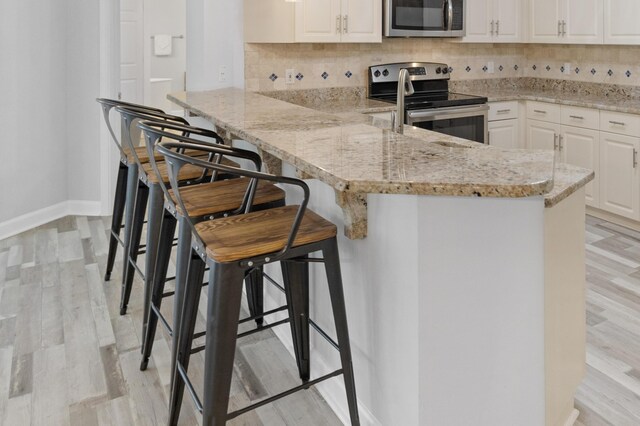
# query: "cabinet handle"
{"points": [[539, 111], [555, 141], [635, 158], [345, 24], [559, 28], [617, 123], [498, 27], [503, 111], [492, 24], [338, 27], [577, 117]]}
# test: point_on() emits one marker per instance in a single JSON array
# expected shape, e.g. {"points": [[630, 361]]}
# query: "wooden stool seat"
{"points": [[223, 196], [143, 155], [186, 173], [260, 233]]}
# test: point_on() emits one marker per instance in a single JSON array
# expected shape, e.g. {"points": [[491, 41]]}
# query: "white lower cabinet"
{"points": [[580, 147], [619, 179], [504, 133], [542, 134]]}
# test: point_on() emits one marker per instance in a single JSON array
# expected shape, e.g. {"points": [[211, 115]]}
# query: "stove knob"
{"points": [[377, 73], [385, 72], [445, 70], [438, 70]]}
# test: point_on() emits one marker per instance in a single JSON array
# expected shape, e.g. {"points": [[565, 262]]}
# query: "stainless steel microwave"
{"points": [[424, 18]]}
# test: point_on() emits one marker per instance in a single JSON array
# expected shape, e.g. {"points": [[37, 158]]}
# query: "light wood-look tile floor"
{"points": [[67, 357]]}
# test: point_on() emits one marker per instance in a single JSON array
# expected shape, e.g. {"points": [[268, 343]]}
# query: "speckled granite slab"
{"points": [[353, 156]]}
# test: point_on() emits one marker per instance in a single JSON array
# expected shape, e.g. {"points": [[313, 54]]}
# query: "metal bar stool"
{"points": [[127, 171], [205, 201], [230, 246], [146, 198]]}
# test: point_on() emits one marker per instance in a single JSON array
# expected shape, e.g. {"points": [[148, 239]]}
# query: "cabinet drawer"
{"points": [[543, 111], [503, 110], [580, 117], [621, 123]]}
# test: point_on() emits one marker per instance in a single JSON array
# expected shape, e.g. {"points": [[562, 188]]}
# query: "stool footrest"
{"points": [[305, 385], [264, 314], [116, 235], [168, 293]]}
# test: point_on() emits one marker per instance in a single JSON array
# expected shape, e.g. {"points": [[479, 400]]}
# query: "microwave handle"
{"points": [[447, 9]]}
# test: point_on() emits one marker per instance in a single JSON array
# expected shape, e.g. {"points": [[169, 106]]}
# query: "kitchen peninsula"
{"points": [[463, 264]]}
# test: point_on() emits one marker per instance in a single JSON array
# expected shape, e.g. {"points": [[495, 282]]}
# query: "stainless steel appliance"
{"points": [[424, 18], [432, 106]]}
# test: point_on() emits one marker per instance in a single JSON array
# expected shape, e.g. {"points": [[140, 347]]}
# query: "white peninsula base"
{"points": [[462, 311]]}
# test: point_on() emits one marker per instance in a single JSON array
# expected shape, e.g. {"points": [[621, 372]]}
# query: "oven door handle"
{"points": [[446, 113]]}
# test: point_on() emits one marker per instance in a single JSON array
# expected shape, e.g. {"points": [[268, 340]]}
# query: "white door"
{"points": [[581, 147], [619, 184], [545, 25], [508, 15], [621, 22], [361, 21], [583, 21], [542, 135], [318, 21], [479, 15], [504, 133], [131, 51]]}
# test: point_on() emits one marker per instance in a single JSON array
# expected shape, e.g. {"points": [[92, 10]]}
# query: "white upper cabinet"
{"points": [[493, 21], [621, 22], [566, 21], [313, 21]]}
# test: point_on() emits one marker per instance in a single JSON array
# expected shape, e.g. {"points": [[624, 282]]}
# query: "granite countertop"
{"points": [[351, 154]]}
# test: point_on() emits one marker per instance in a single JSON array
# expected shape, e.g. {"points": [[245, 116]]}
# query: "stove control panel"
{"points": [[417, 71]]}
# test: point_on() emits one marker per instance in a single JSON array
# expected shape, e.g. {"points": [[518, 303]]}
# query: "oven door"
{"points": [[468, 122], [424, 18]]}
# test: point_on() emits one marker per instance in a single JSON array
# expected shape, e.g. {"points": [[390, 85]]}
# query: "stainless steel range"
{"points": [[431, 106]]}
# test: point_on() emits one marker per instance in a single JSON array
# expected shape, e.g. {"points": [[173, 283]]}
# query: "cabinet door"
{"points": [[362, 21], [479, 15], [621, 22], [545, 20], [583, 21], [619, 184], [503, 133], [318, 21], [507, 14], [542, 134], [580, 147]]}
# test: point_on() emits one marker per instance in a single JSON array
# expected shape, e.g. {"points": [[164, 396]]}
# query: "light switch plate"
{"points": [[289, 76], [491, 67], [222, 73], [567, 68]]}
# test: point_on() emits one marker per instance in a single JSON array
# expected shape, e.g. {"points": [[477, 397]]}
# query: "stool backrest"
{"points": [[212, 145], [131, 116], [107, 105], [175, 160]]}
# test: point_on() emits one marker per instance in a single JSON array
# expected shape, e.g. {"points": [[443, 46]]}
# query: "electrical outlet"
{"points": [[491, 67], [222, 73], [567, 67], [290, 76]]}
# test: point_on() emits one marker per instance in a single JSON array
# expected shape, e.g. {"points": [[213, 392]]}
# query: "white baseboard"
{"points": [[30, 220]]}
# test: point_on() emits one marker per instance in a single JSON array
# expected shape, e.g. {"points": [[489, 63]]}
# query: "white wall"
{"points": [[49, 118]]}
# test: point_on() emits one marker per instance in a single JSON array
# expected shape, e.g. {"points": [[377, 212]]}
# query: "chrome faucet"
{"points": [[405, 87]]}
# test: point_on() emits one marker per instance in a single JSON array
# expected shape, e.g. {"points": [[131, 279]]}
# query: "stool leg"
{"points": [[334, 278], [189, 313], [296, 284], [129, 207], [225, 294], [154, 223], [116, 218], [183, 254], [162, 263], [134, 245], [255, 295]]}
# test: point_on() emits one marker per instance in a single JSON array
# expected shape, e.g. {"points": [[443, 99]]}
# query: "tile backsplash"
{"points": [[345, 65]]}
